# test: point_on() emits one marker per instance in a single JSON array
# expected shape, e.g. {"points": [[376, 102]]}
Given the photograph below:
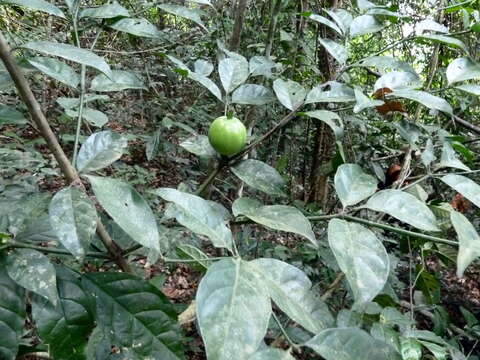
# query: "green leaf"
{"points": [[451, 41], [184, 12], [323, 20], [271, 354], [424, 98], [428, 155], [431, 25], [203, 67], [449, 158], [100, 150], [465, 186], [233, 72], [233, 310], [348, 343], [12, 315], [199, 145], [71, 103], [290, 289], [330, 118], [411, 349], [396, 80], [342, 17], [244, 204], [283, 218], [40, 5], [364, 102], [365, 24], [468, 239], [462, 69], [105, 12], [290, 93], [74, 220], [338, 92], [12, 116], [56, 69], [66, 326], [198, 215], [251, 94], [364, 5], [94, 117], [72, 53], [128, 209], [137, 27], [261, 65], [353, 185], [405, 207], [207, 83], [470, 88], [134, 315], [120, 80], [33, 271], [338, 51], [384, 63], [362, 258], [260, 176]]}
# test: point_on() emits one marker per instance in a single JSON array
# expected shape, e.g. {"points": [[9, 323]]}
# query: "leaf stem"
{"points": [[21, 245], [284, 332]]}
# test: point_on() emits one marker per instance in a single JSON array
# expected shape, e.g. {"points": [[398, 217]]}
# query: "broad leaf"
{"points": [[93, 117], [105, 11], [72, 53], [330, 118], [349, 343], [233, 73], [135, 315], [424, 98], [364, 102], [365, 24], [12, 315], [56, 69], [198, 215], [71, 103], [462, 69], [283, 218], [33, 271], [66, 326], [199, 145], [364, 5], [353, 185], [331, 91], [207, 83], [100, 150], [74, 220], [128, 209], [245, 205], [430, 25], [271, 354], [120, 80], [233, 310], [290, 93], [40, 5], [384, 63], [465, 186], [323, 20], [450, 159], [470, 88], [338, 51], [11, 116], [428, 155], [411, 349], [405, 207], [203, 67], [396, 80], [451, 41], [137, 27], [469, 241], [261, 65], [251, 94], [342, 18], [362, 258], [290, 289], [260, 176], [184, 12]]}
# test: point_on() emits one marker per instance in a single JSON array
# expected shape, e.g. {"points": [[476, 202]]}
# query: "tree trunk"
{"points": [[238, 26]]}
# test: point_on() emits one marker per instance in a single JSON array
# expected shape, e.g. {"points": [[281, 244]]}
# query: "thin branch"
{"points": [[20, 245]]}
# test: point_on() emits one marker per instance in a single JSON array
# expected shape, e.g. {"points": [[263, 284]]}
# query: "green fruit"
{"points": [[227, 135]]}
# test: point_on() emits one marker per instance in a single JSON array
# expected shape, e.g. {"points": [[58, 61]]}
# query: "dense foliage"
{"points": [[342, 227]]}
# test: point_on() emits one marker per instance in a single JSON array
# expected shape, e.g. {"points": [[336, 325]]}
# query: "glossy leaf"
{"points": [[66, 326], [290, 289], [405, 207], [353, 185], [470, 88], [74, 219], [120, 80], [134, 315], [271, 354], [251, 94], [424, 98], [342, 18], [72, 53], [128, 209], [330, 91], [468, 188], [261, 65], [202, 67], [387, 63], [137, 27], [323, 20], [199, 145], [468, 239], [207, 83], [198, 215], [56, 69], [348, 343], [362, 258], [431, 25], [260, 176], [330, 118], [33, 271], [364, 102], [12, 314], [365, 24], [71, 103], [411, 349], [451, 41], [100, 150], [245, 205], [233, 310], [9, 115], [396, 80], [184, 12], [428, 155], [338, 51], [450, 159], [462, 69], [40, 5], [233, 72], [290, 93], [283, 218], [107, 11], [93, 117]]}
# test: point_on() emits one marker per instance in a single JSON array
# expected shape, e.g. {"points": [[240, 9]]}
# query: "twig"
{"points": [[19, 245]]}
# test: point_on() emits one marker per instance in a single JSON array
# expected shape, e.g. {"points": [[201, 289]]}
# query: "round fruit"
{"points": [[227, 135]]}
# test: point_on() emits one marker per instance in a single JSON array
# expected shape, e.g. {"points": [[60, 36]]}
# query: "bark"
{"points": [[240, 11]]}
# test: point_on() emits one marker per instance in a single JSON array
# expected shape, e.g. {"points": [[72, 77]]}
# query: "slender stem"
{"points": [[50, 250], [284, 332], [201, 190]]}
